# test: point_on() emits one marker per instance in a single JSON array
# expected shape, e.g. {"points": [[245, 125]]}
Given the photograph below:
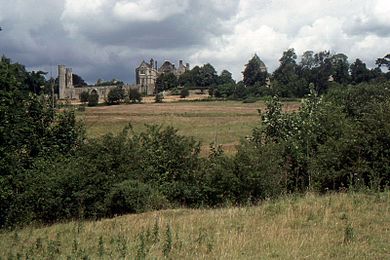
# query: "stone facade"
{"points": [[68, 91], [146, 75]]}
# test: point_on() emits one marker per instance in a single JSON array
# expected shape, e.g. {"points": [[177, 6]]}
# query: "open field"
{"points": [[221, 122], [336, 226]]}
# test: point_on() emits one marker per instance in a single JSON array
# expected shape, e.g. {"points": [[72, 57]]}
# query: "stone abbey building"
{"points": [[146, 76], [147, 73]]}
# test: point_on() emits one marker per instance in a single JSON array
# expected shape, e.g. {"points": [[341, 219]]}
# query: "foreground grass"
{"points": [[220, 122], [339, 226]]}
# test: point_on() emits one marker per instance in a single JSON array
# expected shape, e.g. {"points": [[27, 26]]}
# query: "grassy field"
{"points": [[223, 123], [337, 226]]}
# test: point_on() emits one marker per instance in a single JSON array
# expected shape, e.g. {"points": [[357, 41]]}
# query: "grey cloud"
{"points": [[359, 26]]}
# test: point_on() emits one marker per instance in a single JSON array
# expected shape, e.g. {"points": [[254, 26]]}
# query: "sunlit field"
{"points": [[220, 122]]}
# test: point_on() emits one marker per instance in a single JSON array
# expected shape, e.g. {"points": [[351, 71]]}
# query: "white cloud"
{"points": [[99, 37], [149, 10]]}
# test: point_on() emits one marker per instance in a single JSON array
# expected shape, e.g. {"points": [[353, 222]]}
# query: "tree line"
{"points": [[50, 170], [291, 79]]}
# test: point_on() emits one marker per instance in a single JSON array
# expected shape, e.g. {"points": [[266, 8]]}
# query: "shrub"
{"points": [[132, 196], [115, 95], [93, 99], [159, 98], [84, 96], [134, 95], [184, 93]]}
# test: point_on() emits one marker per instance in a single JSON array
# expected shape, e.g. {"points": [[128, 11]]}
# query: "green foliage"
{"points": [[78, 81], [93, 99], [184, 93], [132, 196], [359, 72], [115, 95], [159, 97], [254, 72], [385, 61], [225, 78], [84, 97], [135, 96], [166, 81]]}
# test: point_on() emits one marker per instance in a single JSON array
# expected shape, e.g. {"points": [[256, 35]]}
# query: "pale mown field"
{"points": [[220, 122], [337, 226]]}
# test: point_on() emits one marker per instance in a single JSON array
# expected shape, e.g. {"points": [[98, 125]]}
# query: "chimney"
{"points": [[187, 66], [180, 63], [151, 62], [155, 64]]}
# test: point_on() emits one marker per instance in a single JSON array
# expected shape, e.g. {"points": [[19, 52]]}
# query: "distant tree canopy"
{"points": [[203, 77], [78, 81], [385, 61], [166, 81], [112, 82]]}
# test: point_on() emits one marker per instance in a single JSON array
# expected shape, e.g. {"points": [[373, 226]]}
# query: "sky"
{"points": [[106, 39]]}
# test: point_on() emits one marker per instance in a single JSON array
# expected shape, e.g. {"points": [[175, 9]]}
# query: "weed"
{"points": [[101, 246], [156, 231], [168, 241], [141, 252], [349, 234]]}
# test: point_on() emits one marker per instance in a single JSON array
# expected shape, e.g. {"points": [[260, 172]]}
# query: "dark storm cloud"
{"points": [[192, 27], [108, 39]]}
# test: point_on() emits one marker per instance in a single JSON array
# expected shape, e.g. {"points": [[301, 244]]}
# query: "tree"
{"points": [[286, 72], [78, 81], [359, 72], [31, 130], [93, 99], [84, 97], [184, 93], [115, 95], [385, 61], [134, 95], [225, 78], [255, 71], [166, 81], [208, 76], [340, 68]]}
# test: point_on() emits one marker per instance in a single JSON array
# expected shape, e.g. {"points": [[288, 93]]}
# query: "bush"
{"points": [[184, 93], [134, 95], [159, 98], [84, 96], [93, 99], [132, 196], [115, 95]]}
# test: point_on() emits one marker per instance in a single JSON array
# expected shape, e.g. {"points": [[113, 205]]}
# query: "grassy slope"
{"points": [[338, 226], [220, 122]]}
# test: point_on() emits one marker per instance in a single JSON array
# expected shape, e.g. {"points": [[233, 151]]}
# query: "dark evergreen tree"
{"points": [[359, 72], [255, 71], [225, 78]]}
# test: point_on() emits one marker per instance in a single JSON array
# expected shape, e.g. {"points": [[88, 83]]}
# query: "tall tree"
{"points": [[225, 78], [255, 72], [359, 72], [166, 81], [385, 61], [286, 72], [78, 81], [340, 68], [208, 75]]}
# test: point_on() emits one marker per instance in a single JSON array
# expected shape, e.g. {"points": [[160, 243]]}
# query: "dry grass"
{"points": [[338, 226], [223, 123]]}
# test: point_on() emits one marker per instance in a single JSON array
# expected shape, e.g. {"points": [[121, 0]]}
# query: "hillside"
{"points": [[338, 226]]}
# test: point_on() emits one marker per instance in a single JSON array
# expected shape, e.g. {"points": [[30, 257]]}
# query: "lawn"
{"points": [[334, 226], [219, 122]]}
